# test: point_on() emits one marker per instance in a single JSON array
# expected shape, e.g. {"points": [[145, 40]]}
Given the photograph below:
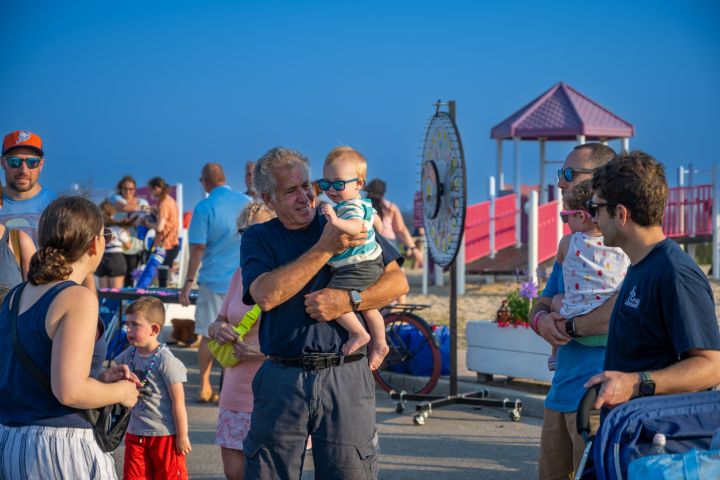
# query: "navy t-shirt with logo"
{"points": [[665, 308], [287, 330]]}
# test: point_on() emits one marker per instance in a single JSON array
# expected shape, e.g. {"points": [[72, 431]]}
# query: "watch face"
{"points": [[647, 388], [355, 296]]}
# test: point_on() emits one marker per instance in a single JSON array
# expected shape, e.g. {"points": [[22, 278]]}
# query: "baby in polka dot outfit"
{"points": [[592, 271]]}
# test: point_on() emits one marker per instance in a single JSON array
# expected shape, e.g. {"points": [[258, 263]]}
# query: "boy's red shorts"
{"points": [[152, 458]]}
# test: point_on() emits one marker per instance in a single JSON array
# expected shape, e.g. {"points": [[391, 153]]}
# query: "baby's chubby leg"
{"points": [[358, 335], [376, 325]]}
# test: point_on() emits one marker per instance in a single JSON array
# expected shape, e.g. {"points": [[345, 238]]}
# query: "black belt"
{"points": [[316, 362]]}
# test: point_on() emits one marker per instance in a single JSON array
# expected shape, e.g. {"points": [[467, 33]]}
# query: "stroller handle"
{"points": [[582, 419]]}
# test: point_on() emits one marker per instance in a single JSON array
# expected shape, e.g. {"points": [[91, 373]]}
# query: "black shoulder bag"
{"points": [[109, 423]]}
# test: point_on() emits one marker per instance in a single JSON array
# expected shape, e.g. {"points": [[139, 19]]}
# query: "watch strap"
{"points": [[570, 327]]}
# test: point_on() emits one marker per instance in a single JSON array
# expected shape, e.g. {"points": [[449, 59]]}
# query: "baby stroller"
{"points": [[688, 422]]}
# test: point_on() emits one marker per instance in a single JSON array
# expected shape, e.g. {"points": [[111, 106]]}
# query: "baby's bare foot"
{"points": [[377, 354], [355, 341]]}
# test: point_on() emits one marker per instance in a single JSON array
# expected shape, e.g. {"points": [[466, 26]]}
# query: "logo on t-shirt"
{"points": [[632, 301]]}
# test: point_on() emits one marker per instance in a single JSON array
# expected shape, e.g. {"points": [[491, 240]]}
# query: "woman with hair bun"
{"points": [[57, 326]]}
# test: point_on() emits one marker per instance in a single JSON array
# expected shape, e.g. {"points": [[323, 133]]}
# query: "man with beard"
{"points": [[663, 334], [24, 199]]}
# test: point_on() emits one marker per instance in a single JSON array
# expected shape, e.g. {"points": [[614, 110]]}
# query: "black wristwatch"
{"points": [[647, 385], [355, 299], [570, 327]]}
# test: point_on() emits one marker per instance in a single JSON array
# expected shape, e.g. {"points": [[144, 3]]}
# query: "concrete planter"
{"points": [[514, 352]]}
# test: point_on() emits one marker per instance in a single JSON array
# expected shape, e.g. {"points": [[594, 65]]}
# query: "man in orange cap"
{"points": [[24, 199]]}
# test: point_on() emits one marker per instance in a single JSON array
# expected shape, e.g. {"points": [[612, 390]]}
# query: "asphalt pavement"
{"points": [[457, 442]]}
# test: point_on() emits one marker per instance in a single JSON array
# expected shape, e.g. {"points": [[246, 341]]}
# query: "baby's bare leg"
{"points": [[358, 335], [376, 325]]}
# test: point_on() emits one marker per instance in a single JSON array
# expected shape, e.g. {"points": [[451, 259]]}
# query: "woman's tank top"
{"points": [[9, 270], [23, 401]]}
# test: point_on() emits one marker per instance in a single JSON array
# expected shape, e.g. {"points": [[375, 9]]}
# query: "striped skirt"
{"points": [[36, 452]]}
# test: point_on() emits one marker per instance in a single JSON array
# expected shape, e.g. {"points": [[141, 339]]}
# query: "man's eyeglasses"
{"points": [[128, 189], [31, 162], [569, 173], [592, 207], [108, 235], [337, 185], [565, 214]]}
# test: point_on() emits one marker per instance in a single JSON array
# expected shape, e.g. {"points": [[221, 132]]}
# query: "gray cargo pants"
{"points": [[335, 405]]}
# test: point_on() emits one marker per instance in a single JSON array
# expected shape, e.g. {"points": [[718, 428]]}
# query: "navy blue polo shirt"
{"points": [[287, 330], [664, 308]]}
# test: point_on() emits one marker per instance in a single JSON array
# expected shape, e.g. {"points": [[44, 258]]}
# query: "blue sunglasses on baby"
{"points": [[337, 185]]}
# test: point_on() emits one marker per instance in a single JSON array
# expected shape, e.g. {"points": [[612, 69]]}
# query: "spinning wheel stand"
{"points": [[444, 194]]}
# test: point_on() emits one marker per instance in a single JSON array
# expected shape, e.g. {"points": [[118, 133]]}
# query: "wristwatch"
{"points": [[647, 385], [570, 327], [355, 299]]}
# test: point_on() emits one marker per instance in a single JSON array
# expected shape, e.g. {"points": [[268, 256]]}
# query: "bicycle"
{"points": [[409, 338]]}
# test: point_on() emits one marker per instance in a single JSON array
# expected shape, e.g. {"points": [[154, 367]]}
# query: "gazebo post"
{"points": [[543, 187], [518, 193], [580, 139], [499, 156], [625, 144]]}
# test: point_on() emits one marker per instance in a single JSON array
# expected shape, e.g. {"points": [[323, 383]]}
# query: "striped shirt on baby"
{"points": [[370, 250]]}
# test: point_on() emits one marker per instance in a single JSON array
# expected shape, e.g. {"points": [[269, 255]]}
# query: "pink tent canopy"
{"points": [[563, 113]]}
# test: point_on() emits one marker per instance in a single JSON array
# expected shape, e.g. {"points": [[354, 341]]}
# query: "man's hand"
{"points": [[551, 328], [327, 304], [334, 241], [184, 295], [616, 388]]}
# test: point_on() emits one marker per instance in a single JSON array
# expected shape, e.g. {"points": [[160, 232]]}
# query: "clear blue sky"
{"points": [[160, 87]]}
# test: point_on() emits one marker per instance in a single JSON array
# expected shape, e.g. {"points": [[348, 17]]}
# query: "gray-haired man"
{"points": [[307, 386]]}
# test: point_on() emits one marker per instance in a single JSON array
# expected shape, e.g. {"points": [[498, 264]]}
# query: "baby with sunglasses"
{"points": [[357, 268], [592, 271]]}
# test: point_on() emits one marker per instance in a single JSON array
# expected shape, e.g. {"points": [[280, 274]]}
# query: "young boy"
{"points": [[157, 438], [356, 268]]}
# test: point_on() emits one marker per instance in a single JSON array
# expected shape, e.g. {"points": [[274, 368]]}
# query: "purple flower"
{"points": [[528, 290]]}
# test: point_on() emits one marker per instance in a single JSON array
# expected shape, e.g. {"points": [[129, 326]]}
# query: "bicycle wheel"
{"points": [[413, 350]]}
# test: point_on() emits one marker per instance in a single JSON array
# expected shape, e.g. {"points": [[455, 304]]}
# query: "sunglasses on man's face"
{"points": [[569, 173], [337, 185], [593, 207], [31, 162]]}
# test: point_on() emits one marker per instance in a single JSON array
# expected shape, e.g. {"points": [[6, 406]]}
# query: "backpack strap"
{"points": [[15, 243]]}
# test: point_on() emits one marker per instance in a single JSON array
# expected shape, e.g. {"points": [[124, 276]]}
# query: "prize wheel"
{"points": [[444, 188]]}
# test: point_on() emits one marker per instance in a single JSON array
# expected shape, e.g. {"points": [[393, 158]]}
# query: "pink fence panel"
{"points": [[688, 211], [504, 222], [477, 232], [547, 231]]}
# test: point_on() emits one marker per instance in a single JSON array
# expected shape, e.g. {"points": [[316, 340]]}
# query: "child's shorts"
{"points": [[232, 428], [357, 276], [152, 457]]}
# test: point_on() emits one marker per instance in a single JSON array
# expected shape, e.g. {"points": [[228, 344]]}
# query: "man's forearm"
{"points": [[274, 288], [197, 251], [391, 285], [597, 321], [693, 374], [542, 305]]}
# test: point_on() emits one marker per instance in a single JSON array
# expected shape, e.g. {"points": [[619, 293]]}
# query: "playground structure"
{"points": [[515, 231]]}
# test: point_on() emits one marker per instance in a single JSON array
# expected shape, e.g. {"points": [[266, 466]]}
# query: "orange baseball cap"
{"points": [[22, 138]]}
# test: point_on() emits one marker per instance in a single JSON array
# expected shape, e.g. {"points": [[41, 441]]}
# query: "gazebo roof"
{"points": [[563, 113]]}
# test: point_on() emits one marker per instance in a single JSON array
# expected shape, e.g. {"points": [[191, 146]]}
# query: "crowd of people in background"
{"points": [[624, 308]]}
